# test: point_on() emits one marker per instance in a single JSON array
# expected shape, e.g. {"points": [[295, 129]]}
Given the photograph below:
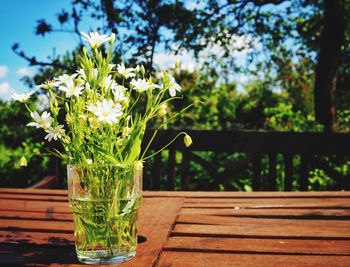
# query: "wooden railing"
{"points": [[310, 147]]}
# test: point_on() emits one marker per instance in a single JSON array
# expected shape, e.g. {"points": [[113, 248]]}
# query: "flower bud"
{"points": [[143, 71], [163, 110], [120, 141], [94, 123], [22, 162], [112, 38], [177, 63], [126, 131], [187, 140]]}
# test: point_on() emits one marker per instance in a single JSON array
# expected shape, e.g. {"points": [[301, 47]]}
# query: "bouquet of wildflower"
{"points": [[95, 112], [99, 114]]}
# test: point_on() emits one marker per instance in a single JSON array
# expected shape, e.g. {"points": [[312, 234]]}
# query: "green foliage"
{"points": [[283, 118], [17, 140]]}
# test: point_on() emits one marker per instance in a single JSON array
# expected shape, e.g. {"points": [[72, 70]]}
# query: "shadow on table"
{"points": [[57, 250]]}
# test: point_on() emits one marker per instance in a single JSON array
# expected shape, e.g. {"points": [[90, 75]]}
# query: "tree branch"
{"points": [[34, 62]]}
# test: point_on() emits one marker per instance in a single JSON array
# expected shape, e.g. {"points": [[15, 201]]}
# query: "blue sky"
{"points": [[17, 22]]}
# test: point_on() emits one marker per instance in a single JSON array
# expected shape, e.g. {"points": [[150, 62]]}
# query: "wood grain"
{"points": [[200, 225], [193, 259], [29, 236], [190, 229], [301, 213], [255, 245], [270, 203]]}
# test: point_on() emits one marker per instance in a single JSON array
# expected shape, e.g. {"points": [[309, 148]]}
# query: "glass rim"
{"points": [[96, 164]]}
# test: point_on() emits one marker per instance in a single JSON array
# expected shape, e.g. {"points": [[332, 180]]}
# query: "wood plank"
{"points": [[171, 170], [50, 181], [198, 225], [34, 191], [157, 171], [253, 245], [341, 203], [11, 255], [37, 238], [272, 177], [288, 171], [201, 194], [273, 213], [34, 197], [156, 219], [255, 142], [37, 206], [256, 164], [191, 194], [194, 259], [185, 167], [14, 214], [36, 225], [304, 171], [266, 201], [227, 220]]}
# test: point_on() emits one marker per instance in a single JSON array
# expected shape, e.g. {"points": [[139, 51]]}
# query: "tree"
{"points": [[276, 23], [303, 30], [331, 51]]}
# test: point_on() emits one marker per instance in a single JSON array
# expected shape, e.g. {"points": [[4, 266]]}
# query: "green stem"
{"points": [[160, 150]]}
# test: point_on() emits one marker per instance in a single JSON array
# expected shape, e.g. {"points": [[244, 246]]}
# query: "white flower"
{"points": [[173, 86], [48, 85], [95, 39], [107, 82], [153, 85], [111, 66], [65, 78], [54, 133], [107, 111], [43, 121], [126, 72], [140, 85], [119, 92], [70, 89], [82, 73], [87, 86], [22, 97]]}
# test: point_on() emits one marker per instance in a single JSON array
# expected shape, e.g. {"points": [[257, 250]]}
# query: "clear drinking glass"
{"points": [[105, 200]]}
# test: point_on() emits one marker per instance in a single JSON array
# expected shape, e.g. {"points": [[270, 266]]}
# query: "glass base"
{"points": [[99, 256]]}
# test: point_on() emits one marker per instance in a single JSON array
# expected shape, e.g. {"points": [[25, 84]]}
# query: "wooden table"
{"points": [[190, 229]]}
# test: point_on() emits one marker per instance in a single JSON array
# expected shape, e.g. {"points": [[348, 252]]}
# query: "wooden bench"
{"points": [[274, 146], [48, 182], [310, 147]]}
